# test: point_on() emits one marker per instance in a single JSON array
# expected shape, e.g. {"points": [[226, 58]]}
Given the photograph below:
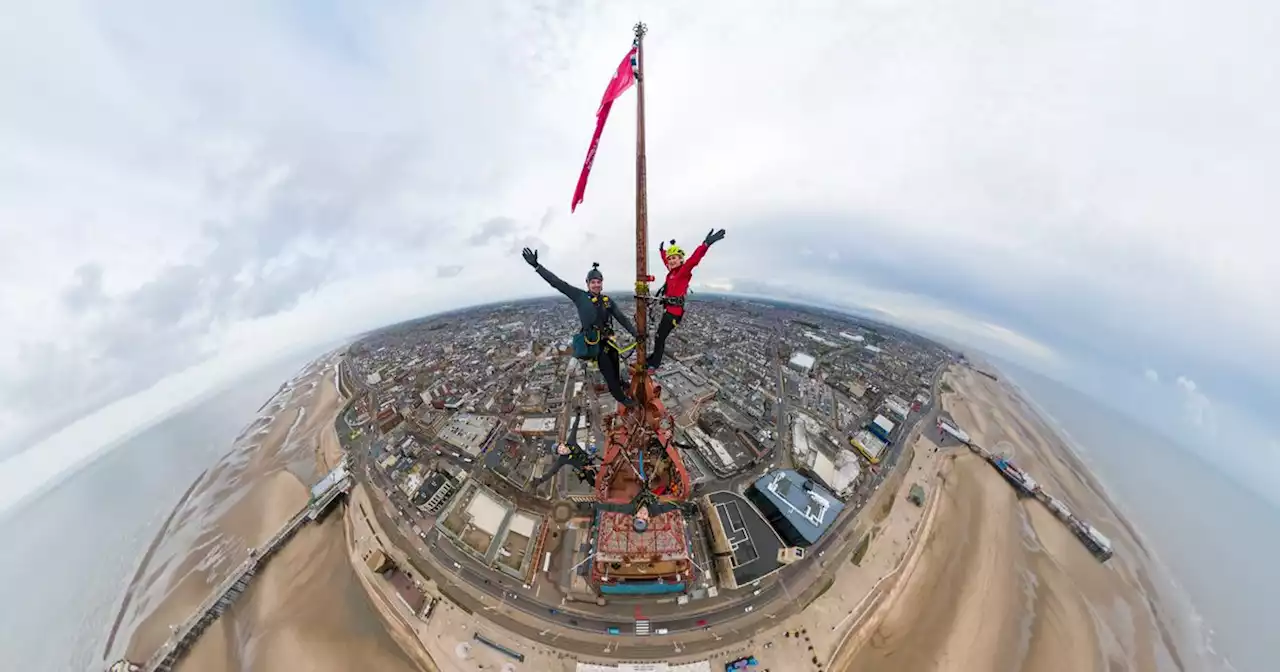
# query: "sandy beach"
{"points": [[999, 582], [306, 609]]}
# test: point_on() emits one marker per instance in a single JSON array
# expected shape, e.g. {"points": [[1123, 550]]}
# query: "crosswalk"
{"points": [[642, 627]]}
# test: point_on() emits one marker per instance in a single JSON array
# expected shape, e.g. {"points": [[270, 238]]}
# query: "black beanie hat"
{"points": [[594, 273]]}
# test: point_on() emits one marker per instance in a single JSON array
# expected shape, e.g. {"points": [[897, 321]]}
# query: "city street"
{"points": [[449, 566], [540, 610]]}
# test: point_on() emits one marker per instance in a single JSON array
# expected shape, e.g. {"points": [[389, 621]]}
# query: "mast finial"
{"points": [[640, 30]]}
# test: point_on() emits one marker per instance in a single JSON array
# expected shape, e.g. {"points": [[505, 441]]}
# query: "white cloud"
{"points": [[1152, 375], [1039, 179], [1198, 408]]}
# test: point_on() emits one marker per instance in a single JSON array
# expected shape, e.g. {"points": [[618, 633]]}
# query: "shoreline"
{"points": [[146, 558], [1189, 619], [1029, 591], [996, 580], [238, 503]]}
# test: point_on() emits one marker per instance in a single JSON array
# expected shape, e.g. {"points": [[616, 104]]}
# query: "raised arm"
{"points": [[622, 318], [694, 258], [662, 251], [712, 238], [560, 285], [531, 258]]}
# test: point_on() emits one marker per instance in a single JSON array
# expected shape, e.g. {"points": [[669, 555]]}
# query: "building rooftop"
{"points": [[802, 360], [329, 481], [513, 552], [617, 538], [868, 444], [806, 505], [545, 425], [433, 483], [754, 544], [474, 518], [468, 432]]}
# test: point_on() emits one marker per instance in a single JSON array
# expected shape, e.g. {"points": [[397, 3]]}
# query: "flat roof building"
{"points": [[515, 555], [881, 427], [839, 474], [474, 518], [799, 509], [743, 544], [871, 446], [802, 362], [435, 491], [541, 425], [897, 406], [468, 432]]}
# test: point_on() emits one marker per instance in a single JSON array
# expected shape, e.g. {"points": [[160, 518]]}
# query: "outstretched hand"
{"points": [[713, 237], [530, 257]]}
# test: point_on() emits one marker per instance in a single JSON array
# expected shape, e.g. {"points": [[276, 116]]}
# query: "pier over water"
{"points": [[324, 493], [1026, 486]]}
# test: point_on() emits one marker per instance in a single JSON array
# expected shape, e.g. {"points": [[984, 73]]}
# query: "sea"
{"points": [[1218, 541], [69, 553]]}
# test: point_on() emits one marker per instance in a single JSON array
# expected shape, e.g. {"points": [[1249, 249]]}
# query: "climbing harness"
{"points": [[585, 347], [586, 343], [624, 351], [672, 301]]}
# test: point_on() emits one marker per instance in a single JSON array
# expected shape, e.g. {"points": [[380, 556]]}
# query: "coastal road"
{"points": [[497, 607]]}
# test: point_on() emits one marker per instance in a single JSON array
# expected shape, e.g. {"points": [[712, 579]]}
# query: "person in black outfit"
{"points": [[596, 312], [570, 453]]}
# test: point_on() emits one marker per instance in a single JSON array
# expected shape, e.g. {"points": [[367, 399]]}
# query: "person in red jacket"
{"points": [[679, 272]]}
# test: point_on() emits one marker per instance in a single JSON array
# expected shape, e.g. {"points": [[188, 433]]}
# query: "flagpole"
{"points": [[642, 217]]}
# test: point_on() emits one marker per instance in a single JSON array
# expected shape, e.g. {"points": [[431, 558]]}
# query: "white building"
{"points": [[897, 406], [847, 473], [538, 426], [886, 425], [802, 362]]}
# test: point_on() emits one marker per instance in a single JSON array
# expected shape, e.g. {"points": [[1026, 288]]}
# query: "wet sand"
{"points": [[999, 583], [305, 610]]}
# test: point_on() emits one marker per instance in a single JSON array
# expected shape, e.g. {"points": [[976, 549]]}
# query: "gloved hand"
{"points": [[662, 247], [713, 237], [530, 257]]}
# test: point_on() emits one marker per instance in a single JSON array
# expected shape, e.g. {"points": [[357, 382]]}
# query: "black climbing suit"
{"points": [[668, 323], [596, 313], [577, 457]]}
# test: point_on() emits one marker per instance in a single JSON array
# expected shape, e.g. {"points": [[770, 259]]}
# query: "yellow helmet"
{"points": [[674, 250]]}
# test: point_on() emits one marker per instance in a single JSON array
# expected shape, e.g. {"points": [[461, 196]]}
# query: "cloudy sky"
{"points": [[1078, 186]]}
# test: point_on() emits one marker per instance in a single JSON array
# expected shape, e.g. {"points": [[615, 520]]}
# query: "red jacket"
{"points": [[678, 280]]}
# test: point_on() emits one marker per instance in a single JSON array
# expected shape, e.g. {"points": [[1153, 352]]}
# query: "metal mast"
{"points": [[642, 222]]}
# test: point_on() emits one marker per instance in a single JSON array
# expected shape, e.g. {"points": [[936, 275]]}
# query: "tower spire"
{"points": [[642, 223]]}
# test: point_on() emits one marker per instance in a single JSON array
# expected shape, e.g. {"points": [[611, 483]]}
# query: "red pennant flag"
{"points": [[622, 80]]}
